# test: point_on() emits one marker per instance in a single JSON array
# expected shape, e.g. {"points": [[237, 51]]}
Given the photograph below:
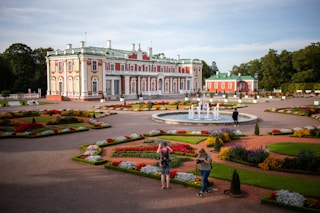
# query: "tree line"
{"points": [[274, 70], [23, 68]]}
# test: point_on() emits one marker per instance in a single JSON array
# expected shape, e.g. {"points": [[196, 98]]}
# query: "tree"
{"points": [[206, 72], [270, 70], [40, 78], [307, 61], [286, 69], [19, 56], [7, 79]]}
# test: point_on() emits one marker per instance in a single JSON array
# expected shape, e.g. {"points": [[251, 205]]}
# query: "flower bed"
{"points": [[306, 131], [92, 155], [46, 132], [186, 179], [291, 200]]}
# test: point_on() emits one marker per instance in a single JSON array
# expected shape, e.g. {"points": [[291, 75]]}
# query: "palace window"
{"points": [[112, 67], [60, 66], [69, 65], [94, 65]]}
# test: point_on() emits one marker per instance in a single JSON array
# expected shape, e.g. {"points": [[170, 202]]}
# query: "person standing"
{"points": [[205, 162], [235, 115], [164, 150]]}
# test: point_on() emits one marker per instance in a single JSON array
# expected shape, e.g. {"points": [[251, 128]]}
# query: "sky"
{"points": [[228, 32]]}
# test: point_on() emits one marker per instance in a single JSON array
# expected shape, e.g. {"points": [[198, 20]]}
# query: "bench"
{"points": [[14, 103]]}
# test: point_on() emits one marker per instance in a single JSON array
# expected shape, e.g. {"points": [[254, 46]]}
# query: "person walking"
{"points": [[164, 150], [235, 115], [205, 162]]}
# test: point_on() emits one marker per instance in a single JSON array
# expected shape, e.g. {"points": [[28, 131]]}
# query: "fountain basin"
{"points": [[181, 117]]}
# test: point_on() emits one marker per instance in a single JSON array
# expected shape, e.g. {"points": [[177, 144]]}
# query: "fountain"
{"points": [[202, 114]]}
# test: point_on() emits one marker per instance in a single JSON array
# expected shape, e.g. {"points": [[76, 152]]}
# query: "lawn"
{"points": [[293, 149], [306, 186], [189, 139]]}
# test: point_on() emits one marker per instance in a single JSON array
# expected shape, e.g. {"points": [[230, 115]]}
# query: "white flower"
{"points": [[127, 165], [7, 134], [196, 132], [238, 132], [90, 152], [47, 132], [149, 169], [185, 177], [297, 129], [81, 128], [25, 133], [154, 132], [286, 130], [67, 129], [102, 142], [93, 158], [135, 136], [120, 138], [172, 131], [309, 127], [289, 198], [92, 147]]}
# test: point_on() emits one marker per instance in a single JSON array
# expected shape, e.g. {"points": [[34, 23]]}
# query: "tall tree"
{"points": [[7, 80], [307, 63], [22, 65], [286, 68], [270, 71], [39, 58]]}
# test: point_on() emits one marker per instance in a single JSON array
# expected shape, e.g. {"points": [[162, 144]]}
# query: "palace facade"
{"points": [[89, 73]]}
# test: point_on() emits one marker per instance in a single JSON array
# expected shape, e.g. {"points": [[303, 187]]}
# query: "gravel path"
{"points": [[38, 175]]}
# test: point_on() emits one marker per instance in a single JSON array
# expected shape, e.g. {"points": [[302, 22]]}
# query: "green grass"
{"points": [[293, 149], [307, 187], [190, 140], [38, 119]]}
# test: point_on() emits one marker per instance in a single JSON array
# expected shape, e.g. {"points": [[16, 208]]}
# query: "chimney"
{"points": [[178, 57], [109, 44], [69, 46], [150, 52], [82, 44], [139, 49], [133, 47]]}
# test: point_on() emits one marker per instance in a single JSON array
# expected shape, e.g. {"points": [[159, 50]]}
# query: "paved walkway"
{"points": [[38, 175]]}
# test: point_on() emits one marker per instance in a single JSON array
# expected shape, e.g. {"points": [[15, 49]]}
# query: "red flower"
{"points": [[116, 163], [205, 132], [181, 132], [173, 173], [109, 140], [276, 131], [138, 167], [273, 196]]}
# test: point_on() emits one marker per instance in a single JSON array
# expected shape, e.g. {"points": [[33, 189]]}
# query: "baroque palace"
{"points": [[89, 73]]}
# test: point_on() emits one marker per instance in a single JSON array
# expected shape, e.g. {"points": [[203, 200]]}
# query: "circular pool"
{"points": [[184, 118]]}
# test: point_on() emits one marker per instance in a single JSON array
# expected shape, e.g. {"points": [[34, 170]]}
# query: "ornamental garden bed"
{"points": [[292, 201], [49, 122]]}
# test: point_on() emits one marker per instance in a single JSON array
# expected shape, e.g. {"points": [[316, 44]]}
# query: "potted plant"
{"points": [[186, 97], [226, 98], [140, 97], [211, 96], [102, 100], [122, 97], [255, 99], [240, 98]]}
